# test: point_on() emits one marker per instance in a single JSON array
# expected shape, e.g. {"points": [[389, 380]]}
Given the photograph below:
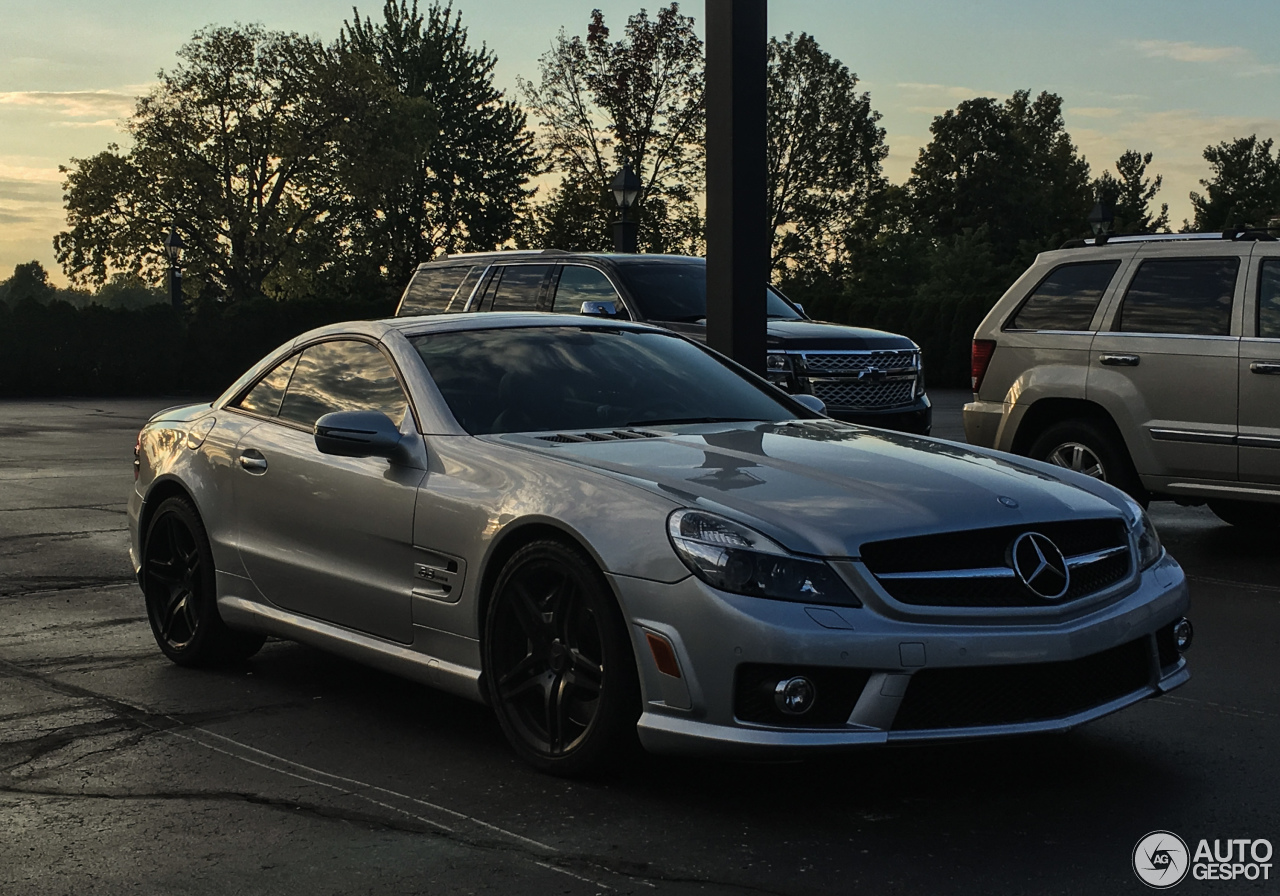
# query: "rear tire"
{"points": [[1088, 447], [178, 585], [559, 670], [1247, 514]]}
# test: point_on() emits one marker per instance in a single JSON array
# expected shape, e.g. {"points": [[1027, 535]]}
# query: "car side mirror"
{"points": [[599, 309], [358, 434], [812, 402]]}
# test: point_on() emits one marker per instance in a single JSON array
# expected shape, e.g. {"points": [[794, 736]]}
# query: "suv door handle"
{"points": [[1120, 360], [1265, 367], [253, 462]]}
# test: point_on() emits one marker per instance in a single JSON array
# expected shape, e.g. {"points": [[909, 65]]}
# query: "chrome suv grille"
{"points": [[844, 362], [976, 568], [863, 380], [855, 394]]}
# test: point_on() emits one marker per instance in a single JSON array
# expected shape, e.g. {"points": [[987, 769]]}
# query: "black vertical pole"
{"points": [[737, 229], [175, 287]]}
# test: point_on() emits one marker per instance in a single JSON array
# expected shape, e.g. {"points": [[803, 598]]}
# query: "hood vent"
{"points": [[613, 435]]}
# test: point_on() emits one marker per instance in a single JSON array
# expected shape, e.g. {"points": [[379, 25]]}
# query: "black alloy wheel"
{"points": [[178, 586], [559, 669]]}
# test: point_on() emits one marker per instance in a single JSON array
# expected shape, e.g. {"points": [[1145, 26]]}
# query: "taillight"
{"points": [[137, 456], [979, 360]]}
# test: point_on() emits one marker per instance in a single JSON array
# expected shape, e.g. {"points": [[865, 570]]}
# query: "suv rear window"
{"points": [[1066, 299], [432, 290], [1187, 296]]}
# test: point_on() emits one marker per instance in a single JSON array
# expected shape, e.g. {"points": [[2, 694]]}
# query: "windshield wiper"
{"points": [[674, 421]]}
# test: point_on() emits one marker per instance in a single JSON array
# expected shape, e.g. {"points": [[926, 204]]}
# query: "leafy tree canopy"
{"points": [[638, 99], [261, 148], [825, 154], [1130, 195], [1010, 167], [461, 192], [1244, 188], [29, 283]]}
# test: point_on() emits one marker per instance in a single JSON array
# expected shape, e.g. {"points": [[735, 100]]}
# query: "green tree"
{"points": [[1244, 189], [1010, 167], [1131, 194], [463, 191], [29, 283], [261, 148], [639, 99], [824, 158]]}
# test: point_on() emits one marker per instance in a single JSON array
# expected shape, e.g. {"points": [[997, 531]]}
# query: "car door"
{"points": [[514, 287], [1259, 373], [323, 536], [1165, 367]]}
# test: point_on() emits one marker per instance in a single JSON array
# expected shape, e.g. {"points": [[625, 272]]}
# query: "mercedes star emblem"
{"points": [[1040, 565]]}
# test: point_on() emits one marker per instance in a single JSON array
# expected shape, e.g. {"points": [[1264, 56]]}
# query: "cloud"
{"points": [[29, 191], [72, 103], [954, 92], [1185, 51], [1094, 111], [12, 168]]}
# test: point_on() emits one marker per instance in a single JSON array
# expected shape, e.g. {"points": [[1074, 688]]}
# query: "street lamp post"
{"points": [[1100, 221], [626, 187], [173, 246]]}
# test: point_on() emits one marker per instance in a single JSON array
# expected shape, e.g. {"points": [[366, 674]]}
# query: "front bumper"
{"points": [[916, 418], [717, 636]]}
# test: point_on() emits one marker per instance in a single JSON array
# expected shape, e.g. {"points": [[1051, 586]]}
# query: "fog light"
{"points": [[1183, 634], [795, 696]]}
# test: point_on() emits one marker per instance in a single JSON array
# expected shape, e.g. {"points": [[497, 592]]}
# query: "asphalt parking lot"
{"points": [[302, 773]]}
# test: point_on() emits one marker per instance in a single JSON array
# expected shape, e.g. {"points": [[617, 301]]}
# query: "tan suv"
{"points": [[1151, 362]]}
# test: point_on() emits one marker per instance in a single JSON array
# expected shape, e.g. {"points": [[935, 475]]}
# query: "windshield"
{"points": [[677, 291], [536, 379]]}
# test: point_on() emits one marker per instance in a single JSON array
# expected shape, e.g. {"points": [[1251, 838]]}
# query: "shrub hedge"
{"points": [[56, 349]]}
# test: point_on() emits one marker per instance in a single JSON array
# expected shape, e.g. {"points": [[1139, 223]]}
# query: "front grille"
{"points": [[973, 568], [836, 689], [844, 362], [1034, 692], [855, 394]]}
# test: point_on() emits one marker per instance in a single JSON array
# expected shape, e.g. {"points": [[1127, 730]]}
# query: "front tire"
{"points": [[179, 590], [1089, 448], [559, 670]]}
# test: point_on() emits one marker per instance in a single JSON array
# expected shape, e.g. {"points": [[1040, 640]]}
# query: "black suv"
{"points": [[863, 376]]}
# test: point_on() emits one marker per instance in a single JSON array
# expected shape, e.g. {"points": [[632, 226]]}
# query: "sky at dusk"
{"points": [[1166, 77]]}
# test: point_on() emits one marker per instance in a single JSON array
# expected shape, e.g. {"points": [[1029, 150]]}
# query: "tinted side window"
{"points": [[580, 284], [1269, 300], [1191, 296], [1067, 298], [264, 398], [342, 376], [431, 290], [519, 288], [459, 300]]}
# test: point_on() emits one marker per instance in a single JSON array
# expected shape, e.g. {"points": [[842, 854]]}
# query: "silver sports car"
{"points": [[610, 533]]}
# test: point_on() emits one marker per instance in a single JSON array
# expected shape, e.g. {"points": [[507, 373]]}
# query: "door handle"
{"points": [[1265, 367], [253, 462], [1119, 360]]}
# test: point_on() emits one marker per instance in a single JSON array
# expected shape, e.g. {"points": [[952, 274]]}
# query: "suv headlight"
{"points": [[778, 369], [736, 558], [1145, 538]]}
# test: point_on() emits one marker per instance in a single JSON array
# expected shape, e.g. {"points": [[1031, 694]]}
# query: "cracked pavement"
{"points": [[298, 772]]}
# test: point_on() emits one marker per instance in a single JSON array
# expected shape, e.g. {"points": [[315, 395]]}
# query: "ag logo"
{"points": [[1161, 860]]}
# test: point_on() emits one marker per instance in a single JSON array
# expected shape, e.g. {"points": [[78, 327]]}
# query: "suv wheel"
{"points": [[1086, 447], [1246, 514]]}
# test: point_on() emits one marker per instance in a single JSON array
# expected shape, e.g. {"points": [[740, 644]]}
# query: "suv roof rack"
{"points": [[502, 252], [1240, 235]]}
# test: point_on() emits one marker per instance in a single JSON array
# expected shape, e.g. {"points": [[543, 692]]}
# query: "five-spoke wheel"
{"points": [[1087, 447], [558, 665], [178, 585]]}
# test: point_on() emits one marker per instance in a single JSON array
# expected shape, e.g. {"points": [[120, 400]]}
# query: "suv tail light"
{"points": [[979, 360]]}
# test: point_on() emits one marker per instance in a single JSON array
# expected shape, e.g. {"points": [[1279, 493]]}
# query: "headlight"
{"points": [[1147, 539], [777, 368], [736, 558]]}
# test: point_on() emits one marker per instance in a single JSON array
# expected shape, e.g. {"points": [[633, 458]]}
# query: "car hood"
{"points": [[825, 488], [808, 335]]}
